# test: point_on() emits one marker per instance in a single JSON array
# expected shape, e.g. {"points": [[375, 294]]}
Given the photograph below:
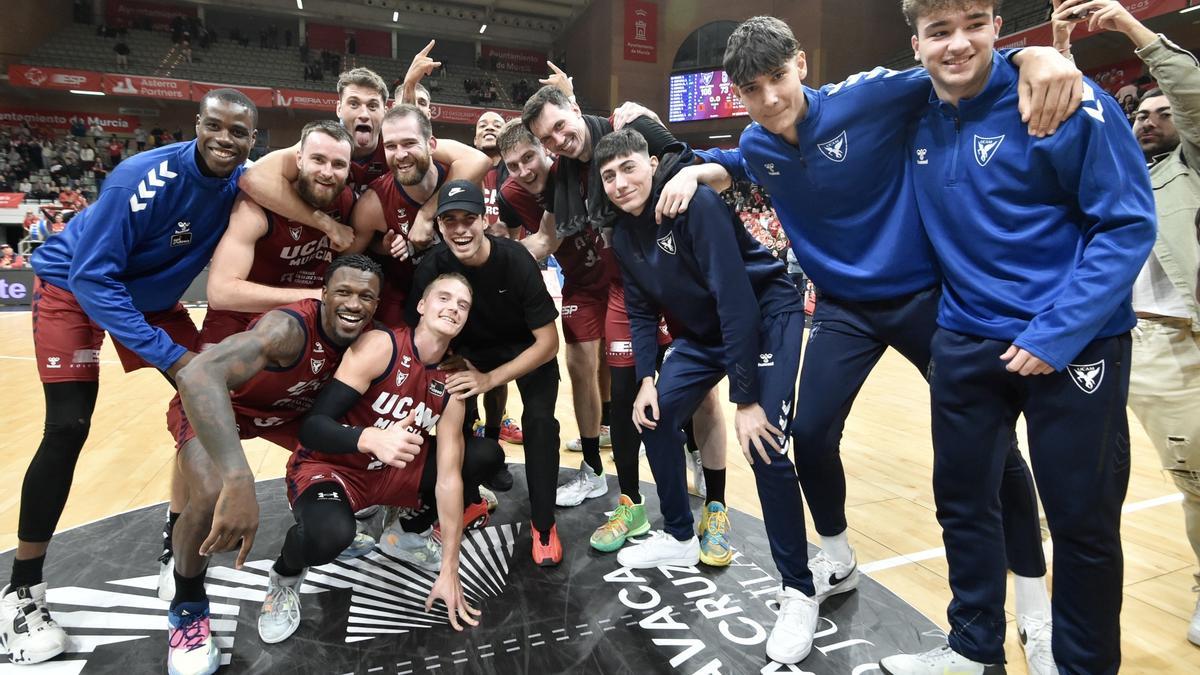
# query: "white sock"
{"points": [[1032, 597], [837, 548]]}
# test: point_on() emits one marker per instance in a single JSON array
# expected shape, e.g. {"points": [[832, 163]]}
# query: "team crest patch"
{"points": [[316, 364], [295, 232], [437, 388], [835, 149], [667, 243], [400, 378], [985, 148], [1087, 376]]}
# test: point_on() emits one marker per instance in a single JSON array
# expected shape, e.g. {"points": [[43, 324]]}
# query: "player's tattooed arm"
{"points": [[270, 184], [449, 492], [204, 386]]}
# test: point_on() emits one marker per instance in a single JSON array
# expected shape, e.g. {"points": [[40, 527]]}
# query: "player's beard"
{"points": [[316, 196], [416, 174]]}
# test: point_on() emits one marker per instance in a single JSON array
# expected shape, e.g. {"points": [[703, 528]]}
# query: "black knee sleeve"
{"points": [[69, 407], [625, 439], [324, 527]]}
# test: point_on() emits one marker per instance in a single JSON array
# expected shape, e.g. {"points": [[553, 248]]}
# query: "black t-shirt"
{"points": [[510, 301]]}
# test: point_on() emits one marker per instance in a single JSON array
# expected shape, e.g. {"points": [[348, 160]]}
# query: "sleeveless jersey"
{"points": [[586, 258], [289, 255], [406, 386], [399, 212], [491, 192], [363, 172], [279, 395]]}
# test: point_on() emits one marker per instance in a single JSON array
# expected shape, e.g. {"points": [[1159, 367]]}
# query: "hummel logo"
{"points": [[150, 181], [922, 156], [454, 191], [766, 360], [770, 167]]}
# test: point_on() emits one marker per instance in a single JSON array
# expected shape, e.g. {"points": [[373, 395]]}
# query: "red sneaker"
{"points": [[550, 554], [475, 517], [510, 432]]}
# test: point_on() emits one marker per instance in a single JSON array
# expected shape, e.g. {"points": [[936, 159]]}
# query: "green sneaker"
{"points": [[715, 549], [628, 520]]}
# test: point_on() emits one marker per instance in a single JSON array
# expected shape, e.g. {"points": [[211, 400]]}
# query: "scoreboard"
{"points": [[703, 95]]}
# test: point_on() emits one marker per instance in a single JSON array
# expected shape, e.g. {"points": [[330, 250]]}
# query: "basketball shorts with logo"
{"points": [[618, 339], [283, 433], [379, 483], [67, 342]]}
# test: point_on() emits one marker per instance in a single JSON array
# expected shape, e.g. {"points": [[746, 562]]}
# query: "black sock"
{"points": [[605, 410], [172, 516], [492, 432], [189, 589], [591, 453], [283, 570], [714, 484], [27, 572]]}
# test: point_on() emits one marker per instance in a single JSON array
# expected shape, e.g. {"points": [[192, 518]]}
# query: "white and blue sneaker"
{"points": [[192, 649]]}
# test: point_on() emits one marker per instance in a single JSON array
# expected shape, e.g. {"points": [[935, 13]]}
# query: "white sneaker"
{"points": [[585, 484], [792, 637], [1194, 626], [831, 577], [26, 629], [1034, 631], [576, 445], [166, 579], [939, 661], [280, 613], [489, 497], [697, 466], [191, 649], [660, 548], [421, 550]]}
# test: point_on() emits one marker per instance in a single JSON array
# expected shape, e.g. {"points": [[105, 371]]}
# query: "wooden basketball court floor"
{"points": [[886, 449]]}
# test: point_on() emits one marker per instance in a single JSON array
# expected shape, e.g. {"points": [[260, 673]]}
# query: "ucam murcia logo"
{"points": [[922, 156], [153, 179], [835, 149], [401, 376], [316, 364], [1087, 376], [986, 147], [295, 232], [667, 243], [770, 167]]}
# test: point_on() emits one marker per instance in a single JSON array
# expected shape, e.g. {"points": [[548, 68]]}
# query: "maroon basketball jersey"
{"points": [[399, 212], [279, 395], [289, 255], [586, 258], [406, 386], [363, 172], [491, 210]]}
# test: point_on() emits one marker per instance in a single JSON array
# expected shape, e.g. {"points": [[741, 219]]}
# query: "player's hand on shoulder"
{"points": [[1050, 89], [341, 236], [468, 382], [420, 235], [630, 111], [676, 194], [396, 245], [395, 446]]}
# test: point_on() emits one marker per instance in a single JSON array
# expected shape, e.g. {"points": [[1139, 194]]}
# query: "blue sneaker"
{"points": [[191, 648]]}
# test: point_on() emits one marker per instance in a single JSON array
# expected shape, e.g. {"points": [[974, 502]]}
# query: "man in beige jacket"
{"points": [[1164, 389]]}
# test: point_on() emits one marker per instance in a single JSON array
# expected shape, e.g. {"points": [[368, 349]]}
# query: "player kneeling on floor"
{"points": [[367, 441], [733, 311]]}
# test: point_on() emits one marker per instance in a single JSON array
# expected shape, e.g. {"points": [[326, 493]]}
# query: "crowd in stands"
{"points": [[480, 91]]}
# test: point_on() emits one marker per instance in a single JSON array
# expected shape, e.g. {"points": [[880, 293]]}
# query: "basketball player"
{"points": [[274, 371], [509, 335], [388, 208], [578, 204], [121, 267], [734, 312], [835, 166], [368, 442], [1034, 320]]}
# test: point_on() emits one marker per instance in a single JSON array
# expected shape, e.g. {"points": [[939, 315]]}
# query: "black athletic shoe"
{"points": [[501, 481]]}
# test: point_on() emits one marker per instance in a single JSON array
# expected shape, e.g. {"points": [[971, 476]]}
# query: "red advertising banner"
{"points": [[61, 119], [462, 114], [641, 31], [263, 97], [11, 200], [1043, 34], [514, 60], [42, 77], [147, 87], [124, 13], [306, 100], [333, 38]]}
